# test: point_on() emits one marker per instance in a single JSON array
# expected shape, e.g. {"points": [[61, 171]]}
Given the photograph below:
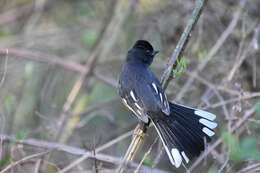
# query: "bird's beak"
{"points": [[155, 52]]}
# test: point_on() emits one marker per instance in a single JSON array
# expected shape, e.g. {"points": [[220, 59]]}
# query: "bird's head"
{"points": [[142, 52]]}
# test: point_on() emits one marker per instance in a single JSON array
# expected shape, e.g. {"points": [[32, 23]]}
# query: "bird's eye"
{"points": [[148, 51]]}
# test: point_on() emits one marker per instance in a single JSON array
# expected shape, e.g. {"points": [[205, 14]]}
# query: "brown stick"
{"points": [[12, 165], [75, 151]]}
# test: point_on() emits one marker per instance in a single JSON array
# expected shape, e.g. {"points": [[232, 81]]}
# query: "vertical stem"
{"points": [[133, 148]]}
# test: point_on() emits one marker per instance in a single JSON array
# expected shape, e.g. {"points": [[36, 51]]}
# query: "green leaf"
{"points": [[213, 170], [29, 70], [9, 102], [233, 145], [255, 154], [181, 64], [148, 161], [3, 34], [89, 37], [257, 108], [21, 134], [5, 160], [249, 149], [248, 142]]}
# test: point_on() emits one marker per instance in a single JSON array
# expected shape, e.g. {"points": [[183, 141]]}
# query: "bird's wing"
{"points": [[133, 102], [160, 97]]}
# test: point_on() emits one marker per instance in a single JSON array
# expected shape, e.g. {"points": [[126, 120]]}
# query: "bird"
{"points": [[184, 131]]}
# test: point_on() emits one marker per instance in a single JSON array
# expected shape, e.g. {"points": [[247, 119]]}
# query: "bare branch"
{"points": [[212, 52], [177, 53], [74, 151], [12, 165]]}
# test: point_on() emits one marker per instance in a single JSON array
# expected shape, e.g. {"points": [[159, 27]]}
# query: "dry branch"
{"points": [[41, 57], [25, 159], [212, 52], [74, 151]]}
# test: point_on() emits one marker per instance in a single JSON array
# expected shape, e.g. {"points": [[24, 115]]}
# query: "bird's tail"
{"points": [[184, 132]]}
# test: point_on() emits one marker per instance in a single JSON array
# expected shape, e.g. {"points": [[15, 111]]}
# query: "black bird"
{"points": [[183, 130]]}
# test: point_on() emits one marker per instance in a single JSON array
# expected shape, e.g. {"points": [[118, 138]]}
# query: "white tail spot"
{"points": [[205, 114], [177, 157], [208, 131], [166, 148], [185, 157], [208, 123]]}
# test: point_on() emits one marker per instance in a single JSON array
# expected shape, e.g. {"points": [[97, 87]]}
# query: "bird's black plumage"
{"points": [[183, 130]]}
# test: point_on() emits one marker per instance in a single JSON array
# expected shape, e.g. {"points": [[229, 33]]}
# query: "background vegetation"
{"points": [[59, 64]]}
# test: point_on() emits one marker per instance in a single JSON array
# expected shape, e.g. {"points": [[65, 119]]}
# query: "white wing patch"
{"points": [[155, 88], [125, 103], [136, 108], [164, 105], [133, 96]]}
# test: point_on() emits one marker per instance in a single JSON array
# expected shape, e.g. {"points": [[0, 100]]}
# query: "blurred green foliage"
{"points": [[101, 92], [5, 160], [89, 37], [232, 143], [257, 108], [213, 170], [148, 161], [21, 134], [240, 150], [181, 64]]}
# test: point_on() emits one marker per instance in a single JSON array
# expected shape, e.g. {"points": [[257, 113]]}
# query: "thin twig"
{"points": [[74, 151], [103, 147], [145, 155], [212, 52], [5, 68], [41, 57], [13, 164], [232, 100], [177, 53], [14, 14], [248, 168]]}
